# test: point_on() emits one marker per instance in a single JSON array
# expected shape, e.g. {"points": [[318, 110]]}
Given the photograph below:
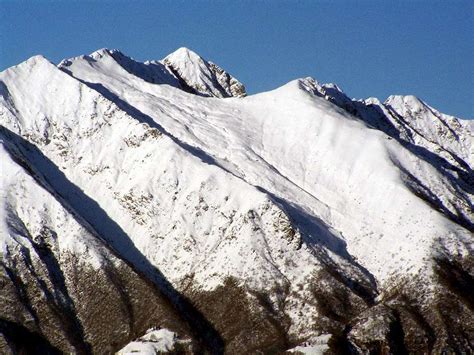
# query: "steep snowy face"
{"points": [[264, 140], [58, 276], [449, 133], [28, 210], [153, 72], [444, 142], [202, 77], [410, 119], [102, 148], [157, 202], [261, 222], [182, 69]]}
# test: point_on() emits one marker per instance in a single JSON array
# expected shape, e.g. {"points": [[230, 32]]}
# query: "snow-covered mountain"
{"points": [[156, 202]]}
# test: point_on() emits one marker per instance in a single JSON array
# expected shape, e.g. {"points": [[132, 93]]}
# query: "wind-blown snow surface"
{"points": [[277, 191]]}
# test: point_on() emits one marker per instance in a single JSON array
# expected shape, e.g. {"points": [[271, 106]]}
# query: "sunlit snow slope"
{"points": [[320, 214]]}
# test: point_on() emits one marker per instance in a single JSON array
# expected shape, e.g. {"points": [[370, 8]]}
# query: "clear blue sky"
{"points": [[369, 48]]}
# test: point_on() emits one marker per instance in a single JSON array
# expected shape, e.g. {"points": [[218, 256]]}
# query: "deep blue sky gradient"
{"points": [[368, 48]]}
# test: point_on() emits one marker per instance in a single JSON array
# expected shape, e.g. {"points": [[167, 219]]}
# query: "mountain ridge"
{"points": [[288, 199]]}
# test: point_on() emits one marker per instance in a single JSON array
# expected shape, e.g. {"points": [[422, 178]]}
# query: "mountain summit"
{"points": [[205, 78], [155, 207], [183, 69]]}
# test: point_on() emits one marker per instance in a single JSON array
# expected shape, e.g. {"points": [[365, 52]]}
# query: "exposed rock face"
{"points": [[408, 320], [231, 85], [136, 208]]}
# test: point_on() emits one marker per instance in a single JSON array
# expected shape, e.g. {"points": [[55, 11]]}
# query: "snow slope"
{"points": [[182, 69], [289, 195], [345, 177]]}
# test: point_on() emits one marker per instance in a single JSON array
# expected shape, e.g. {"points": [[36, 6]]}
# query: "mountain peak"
{"points": [[106, 52], [202, 77], [184, 54], [409, 100], [183, 69], [36, 61], [404, 104]]}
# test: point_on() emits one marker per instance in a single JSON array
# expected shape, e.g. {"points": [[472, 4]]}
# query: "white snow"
{"points": [[203, 76], [251, 187], [316, 346], [28, 208], [155, 341]]}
